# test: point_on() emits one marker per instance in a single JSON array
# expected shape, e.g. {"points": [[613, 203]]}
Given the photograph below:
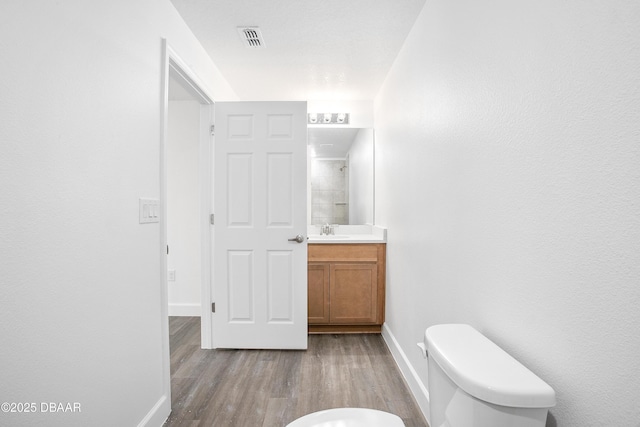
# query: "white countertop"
{"points": [[348, 234]]}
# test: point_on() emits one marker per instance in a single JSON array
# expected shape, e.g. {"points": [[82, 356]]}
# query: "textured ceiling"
{"points": [[315, 50]]}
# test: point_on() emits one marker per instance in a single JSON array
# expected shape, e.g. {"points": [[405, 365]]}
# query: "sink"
{"points": [[349, 234], [328, 237]]}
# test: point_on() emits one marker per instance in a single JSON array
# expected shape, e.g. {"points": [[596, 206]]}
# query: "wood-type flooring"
{"points": [[271, 388]]}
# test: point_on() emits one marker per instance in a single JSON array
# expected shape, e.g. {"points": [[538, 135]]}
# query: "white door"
{"points": [[260, 273]]}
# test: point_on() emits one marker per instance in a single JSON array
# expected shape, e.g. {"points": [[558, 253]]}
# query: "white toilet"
{"points": [[474, 383], [348, 417]]}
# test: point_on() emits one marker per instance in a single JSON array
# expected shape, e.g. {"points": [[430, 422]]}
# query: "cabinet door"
{"points": [[354, 293], [318, 293]]}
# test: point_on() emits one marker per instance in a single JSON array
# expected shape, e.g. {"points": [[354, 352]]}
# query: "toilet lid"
{"points": [[348, 417]]}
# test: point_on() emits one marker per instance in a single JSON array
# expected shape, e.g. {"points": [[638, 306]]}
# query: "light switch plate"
{"points": [[149, 210], [171, 275]]}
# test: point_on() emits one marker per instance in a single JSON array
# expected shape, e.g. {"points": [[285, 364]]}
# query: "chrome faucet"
{"points": [[328, 229], [324, 229]]}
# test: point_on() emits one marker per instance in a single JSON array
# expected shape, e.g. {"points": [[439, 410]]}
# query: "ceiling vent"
{"points": [[251, 36]]}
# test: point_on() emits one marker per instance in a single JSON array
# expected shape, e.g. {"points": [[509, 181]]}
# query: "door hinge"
{"points": [[213, 307], [213, 129], [211, 219]]}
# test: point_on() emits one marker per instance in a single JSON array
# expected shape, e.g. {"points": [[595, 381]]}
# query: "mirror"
{"points": [[341, 175]]}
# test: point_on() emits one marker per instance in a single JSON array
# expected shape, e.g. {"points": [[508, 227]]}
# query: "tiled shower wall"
{"points": [[329, 192]]}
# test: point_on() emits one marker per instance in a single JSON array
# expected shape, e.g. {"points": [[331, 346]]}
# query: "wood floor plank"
{"points": [[271, 388], [276, 410]]}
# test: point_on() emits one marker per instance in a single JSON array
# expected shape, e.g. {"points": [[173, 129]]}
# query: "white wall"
{"points": [[361, 178], [80, 289], [507, 149], [183, 208]]}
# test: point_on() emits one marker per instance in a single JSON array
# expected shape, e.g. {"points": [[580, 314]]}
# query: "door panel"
{"points": [[280, 190], [354, 293], [241, 301], [240, 190], [318, 293], [280, 286], [260, 277]]}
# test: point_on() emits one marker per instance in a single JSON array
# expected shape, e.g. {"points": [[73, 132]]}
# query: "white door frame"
{"points": [[173, 66]]}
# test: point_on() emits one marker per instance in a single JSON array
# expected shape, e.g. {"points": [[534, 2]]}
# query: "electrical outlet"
{"points": [[171, 275]]}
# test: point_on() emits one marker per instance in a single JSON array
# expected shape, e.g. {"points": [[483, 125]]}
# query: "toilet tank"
{"points": [[474, 383]]}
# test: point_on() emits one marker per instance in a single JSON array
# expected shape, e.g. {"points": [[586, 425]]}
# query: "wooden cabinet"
{"points": [[346, 288], [318, 293]]}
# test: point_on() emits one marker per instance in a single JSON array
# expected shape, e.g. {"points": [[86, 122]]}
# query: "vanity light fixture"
{"points": [[328, 118]]}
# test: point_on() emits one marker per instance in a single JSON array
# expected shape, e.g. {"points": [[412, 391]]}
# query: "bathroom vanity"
{"points": [[346, 279]]}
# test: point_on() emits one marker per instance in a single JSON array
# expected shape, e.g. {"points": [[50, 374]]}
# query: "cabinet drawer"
{"points": [[344, 253]]}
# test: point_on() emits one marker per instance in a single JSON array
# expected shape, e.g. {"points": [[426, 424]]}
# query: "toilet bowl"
{"points": [[348, 417], [474, 383]]}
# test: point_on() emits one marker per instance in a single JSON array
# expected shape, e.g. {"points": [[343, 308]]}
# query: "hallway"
{"points": [[271, 388]]}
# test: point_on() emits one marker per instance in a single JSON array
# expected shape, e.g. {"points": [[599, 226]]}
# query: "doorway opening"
{"points": [[185, 200]]}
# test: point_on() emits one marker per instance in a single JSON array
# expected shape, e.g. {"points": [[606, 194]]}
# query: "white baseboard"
{"points": [[158, 414], [189, 310], [416, 385]]}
